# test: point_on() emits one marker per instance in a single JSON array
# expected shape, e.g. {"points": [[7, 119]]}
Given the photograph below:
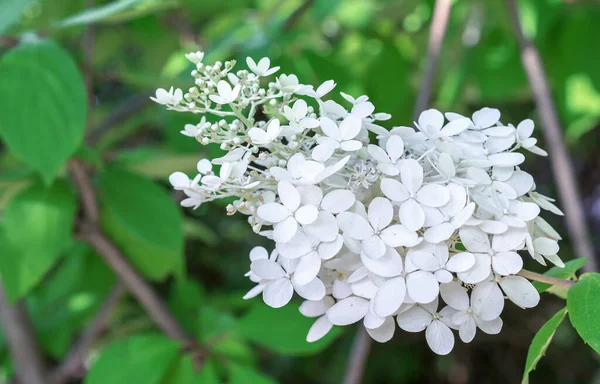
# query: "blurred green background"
{"points": [[197, 259]]}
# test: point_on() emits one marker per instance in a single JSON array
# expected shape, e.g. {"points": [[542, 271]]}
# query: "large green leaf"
{"points": [[43, 109], [541, 341], [35, 230], [568, 272], [137, 359], [184, 372], [100, 13], [282, 330], [143, 221], [11, 12], [239, 374], [583, 304]]}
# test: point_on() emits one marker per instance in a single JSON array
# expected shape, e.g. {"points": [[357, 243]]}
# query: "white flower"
{"points": [[195, 57], [435, 324], [387, 161], [321, 91], [288, 214], [499, 255], [375, 234], [524, 139], [297, 118], [226, 95], [262, 68], [375, 231], [413, 194], [263, 137], [465, 318], [341, 137], [168, 98]]}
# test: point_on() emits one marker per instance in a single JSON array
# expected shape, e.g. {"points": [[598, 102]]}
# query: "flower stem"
{"points": [[546, 279]]}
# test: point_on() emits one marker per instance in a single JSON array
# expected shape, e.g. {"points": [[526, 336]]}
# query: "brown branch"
{"points": [[297, 14], [563, 171], [20, 338], [358, 357], [439, 25], [139, 288], [546, 279], [128, 109], [73, 363]]}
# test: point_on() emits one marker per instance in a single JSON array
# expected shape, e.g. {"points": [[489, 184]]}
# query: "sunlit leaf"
{"points": [[36, 227], [541, 341], [583, 303], [44, 107], [143, 221], [137, 359]]}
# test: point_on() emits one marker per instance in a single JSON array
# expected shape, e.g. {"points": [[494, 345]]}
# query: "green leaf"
{"points": [[44, 107], [185, 298], [541, 341], [583, 303], [11, 12], [239, 374], [568, 272], [282, 330], [35, 230], [144, 221], [137, 359], [184, 372], [100, 13]]}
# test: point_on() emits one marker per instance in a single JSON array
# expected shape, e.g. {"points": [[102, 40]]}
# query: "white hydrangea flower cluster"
{"points": [[366, 232]]}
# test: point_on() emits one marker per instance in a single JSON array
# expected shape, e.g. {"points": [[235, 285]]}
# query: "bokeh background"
{"points": [[375, 48]]}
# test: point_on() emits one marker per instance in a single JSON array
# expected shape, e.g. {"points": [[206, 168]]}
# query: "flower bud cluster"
{"points": [[421, 229]]}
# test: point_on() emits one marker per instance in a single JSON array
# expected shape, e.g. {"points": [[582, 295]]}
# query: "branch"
{"points": [[139, 288], [358, 356], [546, 279], [73, 363], [126, 110], [564, 175], [20, 338], [439, 25]]}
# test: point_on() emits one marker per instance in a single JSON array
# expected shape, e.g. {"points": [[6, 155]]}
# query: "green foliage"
{"points": [[583, 304], [35, 230], [11, 12], [568, 272], [282, 330], [143, 221], [240, 374], [541, 341], [137, 359], [43, 110], [101, 13]]}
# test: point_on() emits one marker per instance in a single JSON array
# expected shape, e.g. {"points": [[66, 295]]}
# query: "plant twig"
{"points": [[92, 234], [358, 357], [20, 338], [546, 279], [75, 359], [437, 34], [563, 171]]}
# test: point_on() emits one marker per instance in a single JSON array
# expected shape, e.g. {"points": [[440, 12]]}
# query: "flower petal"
{"points": [[487, 300], [520, 291], [337, 201], [278, 293], [272, 212], [411, 215], [422, 286], [348, 311], [389, 297], [439, 338], [354, 226], [319, 329], [385, 332], [433, 195], [416, 319], [389, 265], [394, 190], [455, 295]]}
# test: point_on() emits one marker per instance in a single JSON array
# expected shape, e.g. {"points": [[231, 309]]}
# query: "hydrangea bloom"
{"points": [[421, 228]]}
